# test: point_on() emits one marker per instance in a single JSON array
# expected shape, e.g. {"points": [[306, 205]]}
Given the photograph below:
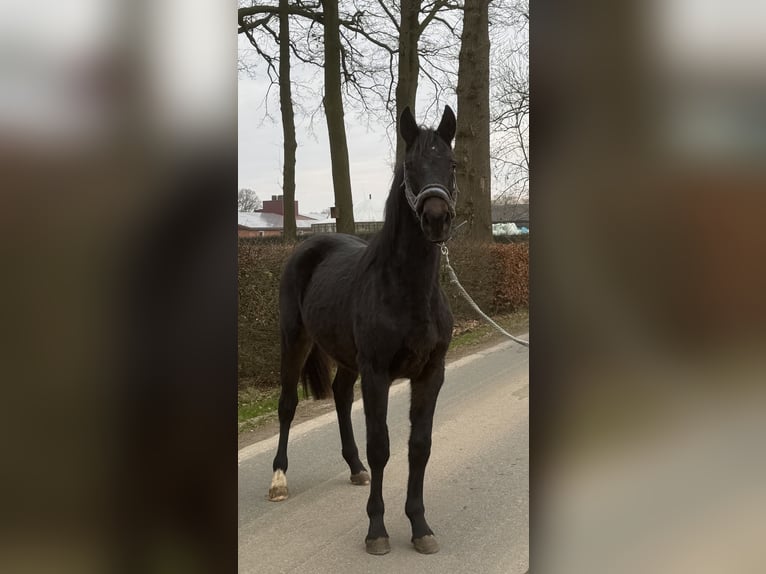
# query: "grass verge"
{"points": [[256, 406], [469, 335]]}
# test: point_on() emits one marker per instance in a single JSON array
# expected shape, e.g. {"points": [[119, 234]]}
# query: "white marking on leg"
{"points": [[278, 489]]}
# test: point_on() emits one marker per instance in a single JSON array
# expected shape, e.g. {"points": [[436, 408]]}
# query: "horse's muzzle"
{"points": [[429, 191], [436, 219]]}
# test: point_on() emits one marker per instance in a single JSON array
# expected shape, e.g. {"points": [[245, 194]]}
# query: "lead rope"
{"points": [[454, 281]]}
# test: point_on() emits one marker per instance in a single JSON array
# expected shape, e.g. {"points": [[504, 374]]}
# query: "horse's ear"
{"points": [[408, 127], [447, 126]]}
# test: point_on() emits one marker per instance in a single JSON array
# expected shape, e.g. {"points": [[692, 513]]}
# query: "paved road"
{"points": [[476, 487]]}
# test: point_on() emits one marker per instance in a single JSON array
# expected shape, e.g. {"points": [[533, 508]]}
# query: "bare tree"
{"points": [[336, 127], [472, 137], [248, 200], [411, 29], [335, 56], [263, 24], [409, 64], [289, 225], [384, 49], [510, 104], [373, 36]]}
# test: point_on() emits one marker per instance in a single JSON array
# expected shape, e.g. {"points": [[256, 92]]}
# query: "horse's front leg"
{"points": [[375, 397], [425, 390]]}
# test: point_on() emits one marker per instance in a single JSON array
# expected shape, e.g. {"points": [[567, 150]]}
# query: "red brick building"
{"points": [[269, 220]]}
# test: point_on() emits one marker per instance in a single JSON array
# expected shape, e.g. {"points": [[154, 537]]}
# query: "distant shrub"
{"points": [[260, 267], [510, 269], [495, 275]]}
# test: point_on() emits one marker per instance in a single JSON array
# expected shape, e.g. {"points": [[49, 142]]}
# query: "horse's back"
{"points": [[317, 250]]}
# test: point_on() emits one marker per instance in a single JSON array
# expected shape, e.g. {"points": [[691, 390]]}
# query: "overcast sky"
{"points": [[260, 153], [370, 148]]}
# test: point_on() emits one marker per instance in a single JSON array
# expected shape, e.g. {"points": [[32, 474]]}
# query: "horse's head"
{"points": [[429, 173]]}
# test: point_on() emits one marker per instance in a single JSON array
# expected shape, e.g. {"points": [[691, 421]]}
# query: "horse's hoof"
{"points": [[360, 478], [278, 489], [378, 546], [277, 494], [426, 545]]}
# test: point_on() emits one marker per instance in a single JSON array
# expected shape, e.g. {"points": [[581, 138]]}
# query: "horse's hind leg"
{"points": [[343, 390], [295, 349]]}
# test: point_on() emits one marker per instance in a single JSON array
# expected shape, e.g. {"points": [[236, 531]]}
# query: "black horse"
{"points": [[376, 310]]}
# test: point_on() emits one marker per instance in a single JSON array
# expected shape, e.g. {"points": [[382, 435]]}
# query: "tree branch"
{"points": [[389, 14], [293, 10], [435, 8]]}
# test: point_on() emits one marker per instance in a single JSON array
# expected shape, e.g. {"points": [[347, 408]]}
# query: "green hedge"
{"points": [[496, 275], [260, 266]]}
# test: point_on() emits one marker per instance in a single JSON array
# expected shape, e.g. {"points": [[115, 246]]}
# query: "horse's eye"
{"points": [[453, 165]]}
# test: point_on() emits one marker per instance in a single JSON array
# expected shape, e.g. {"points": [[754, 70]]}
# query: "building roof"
{"points": [[510, 213], [261, 220]]}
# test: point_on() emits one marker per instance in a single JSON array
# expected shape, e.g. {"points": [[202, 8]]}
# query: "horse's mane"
{"points": [[395, 193]]}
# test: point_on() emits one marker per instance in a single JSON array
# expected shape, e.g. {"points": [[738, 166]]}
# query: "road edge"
{"points": [[301, 429]]}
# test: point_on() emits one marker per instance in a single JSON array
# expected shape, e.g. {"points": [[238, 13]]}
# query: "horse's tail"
{"points": [[316, 374]]}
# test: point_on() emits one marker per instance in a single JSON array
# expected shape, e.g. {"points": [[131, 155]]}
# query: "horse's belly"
{"points": [[329, 325]]}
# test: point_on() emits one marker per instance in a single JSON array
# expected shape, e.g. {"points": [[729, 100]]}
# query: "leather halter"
{"points": [[429, 190]]}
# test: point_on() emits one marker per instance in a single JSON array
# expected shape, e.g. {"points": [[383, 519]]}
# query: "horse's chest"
{"points": [[400, 339], [414, 351]]}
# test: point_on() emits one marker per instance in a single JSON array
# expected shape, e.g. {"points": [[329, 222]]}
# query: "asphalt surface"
{"points": [[476, 487]]}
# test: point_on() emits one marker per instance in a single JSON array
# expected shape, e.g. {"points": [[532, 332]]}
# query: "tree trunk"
{"points": [[336, 128], [288, 125], [409, 65], [472, 137]]}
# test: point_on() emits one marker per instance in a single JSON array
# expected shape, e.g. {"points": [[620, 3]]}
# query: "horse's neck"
{"points": [[404, 249]]}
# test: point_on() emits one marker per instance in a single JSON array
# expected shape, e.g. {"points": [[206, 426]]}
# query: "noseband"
{"points": [[429, 190]]}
